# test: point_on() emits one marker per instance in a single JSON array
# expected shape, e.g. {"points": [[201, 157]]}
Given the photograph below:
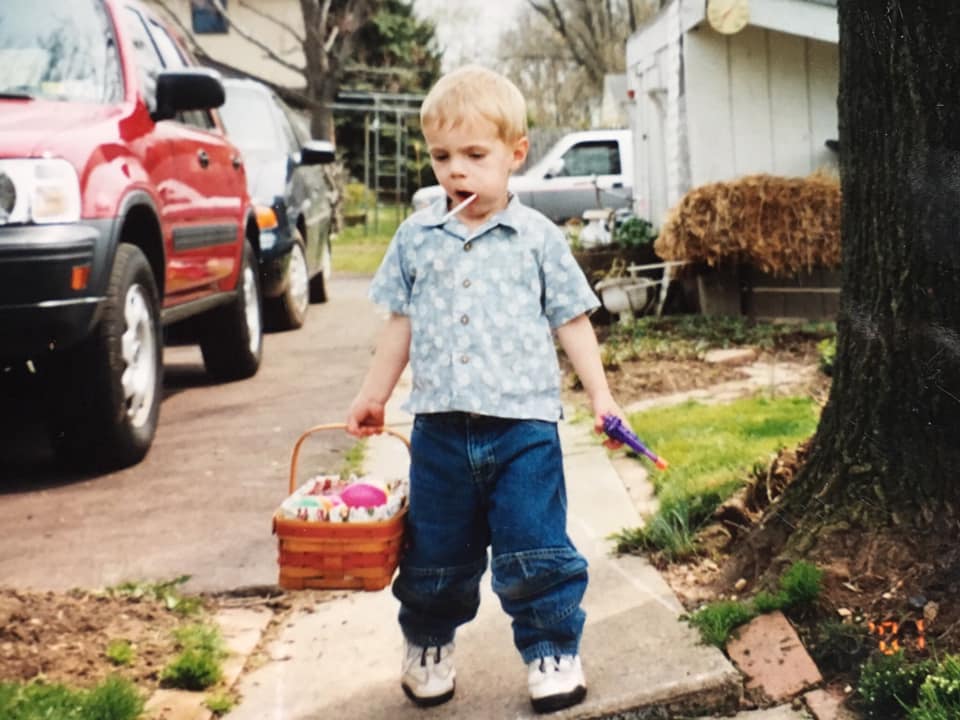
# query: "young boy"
{"points": [[474, 299]]}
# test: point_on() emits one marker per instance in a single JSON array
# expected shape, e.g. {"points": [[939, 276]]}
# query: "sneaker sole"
{"points": [[431, 701], [552, 703]]}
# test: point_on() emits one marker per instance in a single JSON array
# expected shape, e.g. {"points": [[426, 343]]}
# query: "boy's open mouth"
{"points": [[461, 195]]}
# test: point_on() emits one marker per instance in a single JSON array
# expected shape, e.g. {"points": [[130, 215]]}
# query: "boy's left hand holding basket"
{"points": [[340, 534]]}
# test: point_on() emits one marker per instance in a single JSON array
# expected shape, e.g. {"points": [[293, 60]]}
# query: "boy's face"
{"points": [[471, 158]]}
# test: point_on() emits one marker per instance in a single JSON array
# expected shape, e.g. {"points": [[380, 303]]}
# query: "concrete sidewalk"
{"points": [[343, 659]]}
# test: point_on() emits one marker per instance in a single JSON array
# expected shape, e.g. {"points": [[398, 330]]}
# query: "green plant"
{"points": [[889, 684], [839, 647], [353, 459], [828, 354], [634, 231], [166, 591], [220, 703], [357, 197], [800, 584], [716, 620], [120, 652], [939, 695], [113, 699], [198, 666]]}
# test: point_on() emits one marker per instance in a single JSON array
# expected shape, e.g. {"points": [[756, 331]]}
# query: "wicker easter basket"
{"points": [[343, 555]]}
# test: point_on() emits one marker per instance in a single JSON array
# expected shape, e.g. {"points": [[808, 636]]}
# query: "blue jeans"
{"points": [[479, 481]]}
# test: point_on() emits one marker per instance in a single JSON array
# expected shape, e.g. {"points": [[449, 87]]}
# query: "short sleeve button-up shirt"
{"points": [[482, 308]]}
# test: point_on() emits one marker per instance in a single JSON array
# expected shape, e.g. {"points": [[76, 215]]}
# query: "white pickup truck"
{"points": [[583, 170]]}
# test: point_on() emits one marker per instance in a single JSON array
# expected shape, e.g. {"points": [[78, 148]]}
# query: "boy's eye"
{"points": [[477, 155]]}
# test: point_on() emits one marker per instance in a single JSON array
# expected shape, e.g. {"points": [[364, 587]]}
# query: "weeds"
{"points": [[165, 591], [889, 684], [120, 652], [198, 666], [113, 699], [799, 586], [220, 703]]}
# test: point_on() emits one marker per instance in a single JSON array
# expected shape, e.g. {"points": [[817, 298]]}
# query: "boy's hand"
{"points": [[365, 417], [606, 405]]}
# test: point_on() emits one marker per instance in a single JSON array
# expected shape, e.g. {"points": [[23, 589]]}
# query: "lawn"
{"points": [[359, 248]]}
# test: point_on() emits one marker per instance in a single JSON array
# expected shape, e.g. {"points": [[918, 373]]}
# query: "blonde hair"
{"points": [[474, 89]]}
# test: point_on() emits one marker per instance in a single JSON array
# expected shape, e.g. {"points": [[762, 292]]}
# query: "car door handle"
{"points": [[237, 162], [203, 158], [617, 185]]}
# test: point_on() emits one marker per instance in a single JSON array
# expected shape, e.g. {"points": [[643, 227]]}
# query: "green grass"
{"points": [[353, 459], [711, 450], [360, 248], [113, 699], [165, 591], [199, 664]]}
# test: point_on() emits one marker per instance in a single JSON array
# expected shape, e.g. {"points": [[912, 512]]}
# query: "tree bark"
{"points": [[888, 443]]}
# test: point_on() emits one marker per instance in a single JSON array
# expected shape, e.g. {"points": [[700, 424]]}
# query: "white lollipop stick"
{"points": [[458, 208]]}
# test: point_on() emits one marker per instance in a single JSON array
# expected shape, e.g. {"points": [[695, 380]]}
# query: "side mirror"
{"points": [[555, 168], [187, 89], [317, 152]]}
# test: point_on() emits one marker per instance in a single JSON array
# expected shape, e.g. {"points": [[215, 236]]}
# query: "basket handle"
{"points": [[319, 428]]}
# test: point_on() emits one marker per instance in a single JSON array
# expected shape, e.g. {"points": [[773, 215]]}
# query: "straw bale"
{"points": [[780, 225]]}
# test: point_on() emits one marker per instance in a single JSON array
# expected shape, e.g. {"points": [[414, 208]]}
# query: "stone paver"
{"points": [[827, 705], [768, 651]]}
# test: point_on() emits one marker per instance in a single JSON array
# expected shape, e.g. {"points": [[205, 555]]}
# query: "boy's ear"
{"points": [[520, 149]]}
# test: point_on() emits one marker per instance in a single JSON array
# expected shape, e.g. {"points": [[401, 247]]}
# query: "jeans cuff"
{"points": [[548, 649], [428, 640]]}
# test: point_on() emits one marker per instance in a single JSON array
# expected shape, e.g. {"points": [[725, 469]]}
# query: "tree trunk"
{"points": [[888, 443]]}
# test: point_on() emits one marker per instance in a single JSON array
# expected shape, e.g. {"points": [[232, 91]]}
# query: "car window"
{"points": [[54, 50], [173, 59], [149, 62], [293, 144], [250, 119], [592, 158]]}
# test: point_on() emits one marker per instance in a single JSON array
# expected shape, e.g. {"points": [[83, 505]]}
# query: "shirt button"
{"points": [[464, 359], [467, 246], [464, 320], [466, 283]]}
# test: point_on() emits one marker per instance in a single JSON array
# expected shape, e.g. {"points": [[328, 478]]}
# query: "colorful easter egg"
{"points": [[363, 495]]}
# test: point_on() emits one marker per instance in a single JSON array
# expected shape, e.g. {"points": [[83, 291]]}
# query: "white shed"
{"points": [[707, 106]]}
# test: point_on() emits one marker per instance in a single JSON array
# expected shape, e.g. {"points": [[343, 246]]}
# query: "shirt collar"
{"points": [[432, 215]]}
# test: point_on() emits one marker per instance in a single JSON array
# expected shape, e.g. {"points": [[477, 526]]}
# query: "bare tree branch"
{"points": [[271, 19], [253, 40]]}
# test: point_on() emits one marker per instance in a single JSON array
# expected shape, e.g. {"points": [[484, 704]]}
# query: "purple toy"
{"points": [[616, 430]]}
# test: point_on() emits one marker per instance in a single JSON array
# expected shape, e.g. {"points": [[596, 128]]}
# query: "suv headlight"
{"points": [[44, 190]]}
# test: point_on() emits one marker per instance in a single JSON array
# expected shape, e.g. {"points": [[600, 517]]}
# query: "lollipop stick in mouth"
{"points": [[458, 208]]}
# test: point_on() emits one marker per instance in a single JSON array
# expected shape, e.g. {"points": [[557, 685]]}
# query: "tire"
{"points": [[232, 336], [289, 311], [105, 404], [318, 283]]}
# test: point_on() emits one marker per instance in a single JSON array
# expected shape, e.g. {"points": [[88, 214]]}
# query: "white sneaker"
{"points": [[556, 682], [428, 674]]}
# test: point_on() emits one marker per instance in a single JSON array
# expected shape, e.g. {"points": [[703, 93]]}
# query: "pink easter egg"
{"points": [[363, 495]]}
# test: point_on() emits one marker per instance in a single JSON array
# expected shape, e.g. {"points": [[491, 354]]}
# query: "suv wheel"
{"points": [[289, 311], [106, 402], [232, 342]]}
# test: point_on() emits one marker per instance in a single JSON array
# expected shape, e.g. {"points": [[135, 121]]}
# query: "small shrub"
{"points": [[716, 620], [113, 699], [800, 584], [889, 684], [633, 232], [939, 695], [764, 602], [120, 652]]}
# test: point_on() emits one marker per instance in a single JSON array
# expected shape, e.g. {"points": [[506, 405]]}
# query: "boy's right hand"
{"points": [[365, 417]]}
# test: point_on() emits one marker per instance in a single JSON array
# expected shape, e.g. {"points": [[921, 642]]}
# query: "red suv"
{"points": [[123, 211]]}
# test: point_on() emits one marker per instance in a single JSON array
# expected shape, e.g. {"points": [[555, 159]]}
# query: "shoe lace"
{"points": [[555, 666], [423, 656]]}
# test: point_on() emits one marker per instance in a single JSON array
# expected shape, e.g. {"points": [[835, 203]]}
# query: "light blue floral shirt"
{"points": [[482, 307]]}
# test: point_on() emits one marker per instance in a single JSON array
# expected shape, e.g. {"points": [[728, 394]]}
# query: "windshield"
{"points": [[248, 118], [58, 50]]}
